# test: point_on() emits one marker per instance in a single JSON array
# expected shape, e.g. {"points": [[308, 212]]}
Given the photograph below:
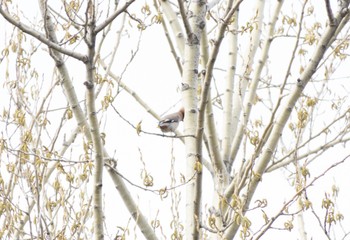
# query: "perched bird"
{"points": [[169, 123]]}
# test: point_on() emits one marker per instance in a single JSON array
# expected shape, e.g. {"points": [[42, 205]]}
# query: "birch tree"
{"points": [[261, 152]]}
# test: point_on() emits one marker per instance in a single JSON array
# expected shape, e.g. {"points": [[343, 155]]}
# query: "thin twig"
{"points": [[155, 191], [17, 154], [25, 28], [113, 16], [139, 130], [297, 194]]}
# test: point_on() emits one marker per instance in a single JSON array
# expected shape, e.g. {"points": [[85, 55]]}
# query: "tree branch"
{"points": [[329, 12], [247, 105], [296, 195], [210, 130], [174, 23], [280, 123], [209, 72], [169, 40], [248, 101], [113, 16], [23, 27], [228, 130], [184, 16]]}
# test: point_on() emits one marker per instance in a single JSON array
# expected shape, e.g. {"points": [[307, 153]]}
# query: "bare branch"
{"points": [[168, 38], [243, 116], [113, 16], [281, 121], [209, 68], [329, 12], [184, 17], [340, 138], [131, 205], [41, 37], [159, 192], [297, 194], [175, 25]]}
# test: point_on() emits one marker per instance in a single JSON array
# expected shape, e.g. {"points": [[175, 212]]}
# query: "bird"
{"points": [[169, 123]]}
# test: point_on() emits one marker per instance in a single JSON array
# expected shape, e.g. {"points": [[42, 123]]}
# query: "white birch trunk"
{"points": [[228, 94], [175, 26], [137, 215], [241, 85], [90, 40], [190, 101], [300, 220]]}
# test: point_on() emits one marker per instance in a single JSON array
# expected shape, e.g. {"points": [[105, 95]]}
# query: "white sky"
{"points": [[153, 75]]}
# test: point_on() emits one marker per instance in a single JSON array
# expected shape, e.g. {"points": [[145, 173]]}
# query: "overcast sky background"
{"points": [[154, 76]]}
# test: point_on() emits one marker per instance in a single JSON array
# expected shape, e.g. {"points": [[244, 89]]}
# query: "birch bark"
{"points": [[240, 118], [196, 21], [94, 125]]}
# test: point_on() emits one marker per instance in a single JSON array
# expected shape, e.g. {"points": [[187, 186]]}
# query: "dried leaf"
{"points": [[138, 128]]}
